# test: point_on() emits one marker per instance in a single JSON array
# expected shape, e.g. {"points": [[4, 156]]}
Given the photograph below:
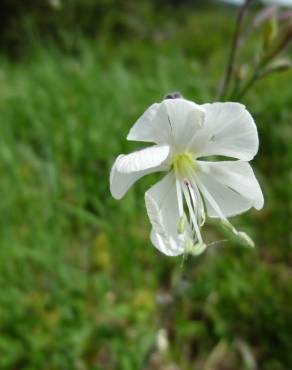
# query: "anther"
{"points": [[195, 249]]}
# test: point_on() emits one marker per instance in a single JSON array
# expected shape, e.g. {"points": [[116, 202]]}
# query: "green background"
{"points": [[81, 285]]}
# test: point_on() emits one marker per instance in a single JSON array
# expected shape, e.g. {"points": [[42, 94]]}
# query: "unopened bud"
{"points": [[278, 65], [246, 239], [174, 95], [270, 31]]}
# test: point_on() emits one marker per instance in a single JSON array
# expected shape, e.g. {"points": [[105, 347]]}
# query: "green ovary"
{"points": [[183, 163]]}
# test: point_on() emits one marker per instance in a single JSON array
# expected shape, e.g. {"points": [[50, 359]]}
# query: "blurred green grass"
{"points": [[79, 277]]}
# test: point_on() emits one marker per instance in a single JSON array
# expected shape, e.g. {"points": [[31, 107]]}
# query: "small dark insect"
{"points": [[174, 95]]}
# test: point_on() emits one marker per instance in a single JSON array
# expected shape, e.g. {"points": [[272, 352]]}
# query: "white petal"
{"points": [[162, 208], [184, 119], [233, 186], [121, 182], [127, 169], [144, 129], [229, 130], [143, 159], [173, 121]]}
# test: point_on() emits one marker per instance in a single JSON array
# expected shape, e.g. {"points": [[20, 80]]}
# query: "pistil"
{"points": [[183, 163], [184, 166]]}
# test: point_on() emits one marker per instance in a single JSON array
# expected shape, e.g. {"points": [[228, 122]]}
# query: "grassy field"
{"points": [[81, 286]]}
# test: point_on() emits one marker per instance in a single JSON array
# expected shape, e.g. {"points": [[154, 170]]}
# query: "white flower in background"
{"points": [[184, 133]]}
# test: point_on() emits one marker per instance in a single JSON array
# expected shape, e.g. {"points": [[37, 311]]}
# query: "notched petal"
{"points": [[229, 130], [233, 186], [143, 159]]}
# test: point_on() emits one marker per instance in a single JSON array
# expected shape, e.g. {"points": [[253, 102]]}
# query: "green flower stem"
{"points": [[223, 87]]}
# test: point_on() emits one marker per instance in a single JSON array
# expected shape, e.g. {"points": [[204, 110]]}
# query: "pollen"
{"points": [[183, 163]]}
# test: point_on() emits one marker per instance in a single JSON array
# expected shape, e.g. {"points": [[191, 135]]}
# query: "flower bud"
{"points": [[174, 95], [270, 32], [246, 239]]}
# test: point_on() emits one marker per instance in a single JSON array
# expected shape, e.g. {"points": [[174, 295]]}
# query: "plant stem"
{"points": [[233, 50], [168, 312], [255, 76], [259, 71]]}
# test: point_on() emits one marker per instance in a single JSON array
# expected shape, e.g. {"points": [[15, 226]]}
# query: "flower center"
{"points": [[183, 163]]}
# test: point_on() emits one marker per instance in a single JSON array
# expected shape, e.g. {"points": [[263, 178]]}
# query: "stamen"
{"points": [[197, 200], [199, 209], [214, 204], [202, 215], [182, 224], [184, 165], [240, 234], [195, 249], [179, 198], [192, 214]]}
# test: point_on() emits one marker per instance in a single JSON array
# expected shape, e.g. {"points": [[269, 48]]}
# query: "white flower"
{"points": [[183, 133]]}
